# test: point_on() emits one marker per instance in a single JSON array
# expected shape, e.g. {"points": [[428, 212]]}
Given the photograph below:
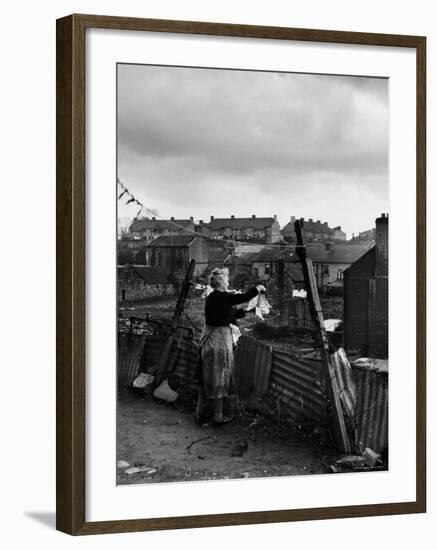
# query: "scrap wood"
{"points": [[329, 379]]}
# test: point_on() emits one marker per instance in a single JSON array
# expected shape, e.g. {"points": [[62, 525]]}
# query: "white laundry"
{"points": [[208, 290], [260, 304], [236, 333], [299, 293]]}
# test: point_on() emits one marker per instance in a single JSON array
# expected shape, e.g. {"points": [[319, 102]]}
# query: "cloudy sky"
{"points": [[201, 142]]}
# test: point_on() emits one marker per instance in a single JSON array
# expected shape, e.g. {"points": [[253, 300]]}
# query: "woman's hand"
{"points": [[261, 289]]}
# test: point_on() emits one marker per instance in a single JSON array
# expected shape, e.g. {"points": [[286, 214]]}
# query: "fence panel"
{"points": [[253, 363], [295, 386], [371, 414]]}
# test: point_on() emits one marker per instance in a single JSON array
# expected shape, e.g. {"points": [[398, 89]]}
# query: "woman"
{"points": [[216, 345]]}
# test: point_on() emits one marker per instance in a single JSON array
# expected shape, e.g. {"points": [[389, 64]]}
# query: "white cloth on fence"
{"points": [[236, 333], [260, 304]]}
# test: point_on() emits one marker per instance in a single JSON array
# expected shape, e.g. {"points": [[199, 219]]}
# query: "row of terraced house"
{"points": [[252, 229], [251, 245]]}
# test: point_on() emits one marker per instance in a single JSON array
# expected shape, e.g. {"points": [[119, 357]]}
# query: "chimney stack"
{"points": [[154, 219], [253, 216], [191, 219], [275, 217], [381, 243], [232, 217], [212, 218], [310, 220], [318, 221], [292, 219], [172, 219]]}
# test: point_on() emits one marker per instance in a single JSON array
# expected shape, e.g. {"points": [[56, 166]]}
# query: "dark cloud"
{"points": [[293, 136]]}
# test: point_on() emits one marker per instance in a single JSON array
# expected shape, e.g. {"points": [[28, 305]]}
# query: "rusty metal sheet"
{"points": [[139, 353], [295, 383], [371, 416], [129, 356], [345, 381], [253, 361]]}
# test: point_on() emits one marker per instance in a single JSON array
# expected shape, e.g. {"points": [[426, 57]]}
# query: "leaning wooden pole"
{"points": [[339, 424], [164, 365]]}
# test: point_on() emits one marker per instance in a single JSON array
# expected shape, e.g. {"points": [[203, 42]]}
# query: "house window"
{"points": [[339, 274], [326, 270], [267, 269], [255, 272]]}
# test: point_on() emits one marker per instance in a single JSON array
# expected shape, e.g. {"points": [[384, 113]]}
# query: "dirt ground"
{"points": [[164, 443]]}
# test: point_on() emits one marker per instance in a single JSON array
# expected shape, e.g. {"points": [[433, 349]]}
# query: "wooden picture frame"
{"points": [[71, 248]]}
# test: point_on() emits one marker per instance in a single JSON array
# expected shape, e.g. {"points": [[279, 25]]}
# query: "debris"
{"points": [[371, 457], [144, 382], [139, 469], [122, 464], [239, 448], [368, 363], [164, 392], [132, 470], [332, 324], [188, 447], [351, 462], [355, 463]]}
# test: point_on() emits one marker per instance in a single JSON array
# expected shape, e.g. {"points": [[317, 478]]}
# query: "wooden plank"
{"points": [[165, 363], [321, 338]]}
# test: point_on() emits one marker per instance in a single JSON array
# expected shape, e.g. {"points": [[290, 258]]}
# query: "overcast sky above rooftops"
{"points": [[201, 142]]}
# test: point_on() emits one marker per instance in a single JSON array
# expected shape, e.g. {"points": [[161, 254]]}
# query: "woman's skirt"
{"points": [[217, 355]]}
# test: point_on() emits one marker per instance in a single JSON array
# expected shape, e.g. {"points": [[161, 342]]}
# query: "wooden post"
{"points": [[165, 364], [341, 435], [283, 309]]}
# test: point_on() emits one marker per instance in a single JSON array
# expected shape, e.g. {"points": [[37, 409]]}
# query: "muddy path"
{"points": [[162, 441]]}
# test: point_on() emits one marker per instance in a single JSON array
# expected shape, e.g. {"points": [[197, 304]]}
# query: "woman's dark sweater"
{"points": [[219, 306]]}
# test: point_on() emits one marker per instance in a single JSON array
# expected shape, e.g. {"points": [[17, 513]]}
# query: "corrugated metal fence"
{"points": [[371, 414], [139, 353], [253, 364], [129, 356], [288, 380], [296, 389]]}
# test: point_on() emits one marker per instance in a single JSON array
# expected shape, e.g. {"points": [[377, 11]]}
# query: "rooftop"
{"points": [[173, 240], [273, 253], [338, 253], [240, 223], [141, 224], [310, 225]]}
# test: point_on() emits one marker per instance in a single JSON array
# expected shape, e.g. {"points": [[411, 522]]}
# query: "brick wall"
{"points": [[378, 317], [132, 287]]}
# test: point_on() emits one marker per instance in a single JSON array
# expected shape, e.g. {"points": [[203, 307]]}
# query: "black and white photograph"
{"points": [[252, 274]]}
